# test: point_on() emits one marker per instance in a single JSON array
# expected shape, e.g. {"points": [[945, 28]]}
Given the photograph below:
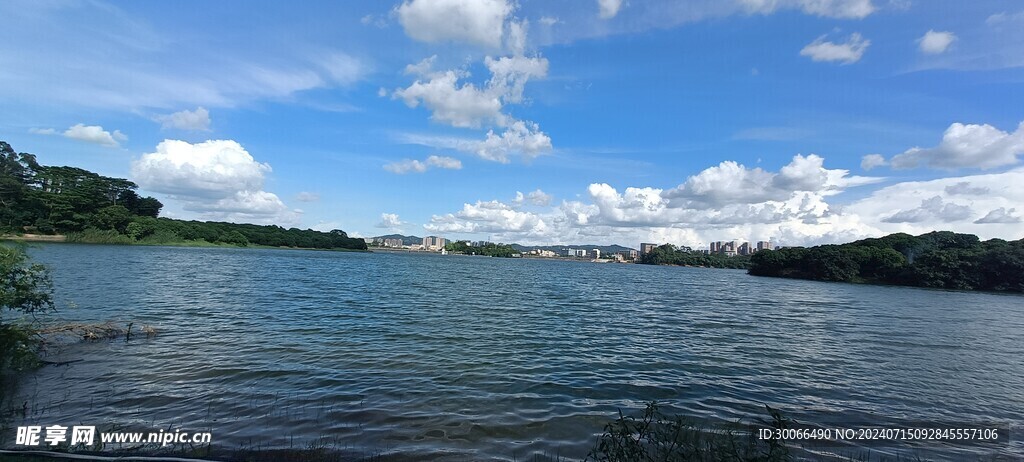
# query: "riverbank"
{"points": [[71, 239], [34, 237]]}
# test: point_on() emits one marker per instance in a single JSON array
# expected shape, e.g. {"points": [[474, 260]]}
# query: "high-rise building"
{"points": [[764, 245], [596, 253], [646, 247], [744, 249], [433, 243]]}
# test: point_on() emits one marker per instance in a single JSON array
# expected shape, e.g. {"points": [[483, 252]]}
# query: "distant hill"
{"points": [[605, 249]]}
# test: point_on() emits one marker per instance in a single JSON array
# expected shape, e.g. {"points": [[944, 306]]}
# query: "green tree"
{"points": [[115, 217], [26, 288]]}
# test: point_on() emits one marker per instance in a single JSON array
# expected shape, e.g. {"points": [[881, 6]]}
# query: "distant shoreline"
{"points": [[62, 239], [34, 237]]}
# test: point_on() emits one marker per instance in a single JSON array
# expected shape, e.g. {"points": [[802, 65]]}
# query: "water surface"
{"points": [[458, 358]]}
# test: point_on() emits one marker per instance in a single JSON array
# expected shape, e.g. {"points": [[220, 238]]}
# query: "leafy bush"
{"points": [[27, 288]]}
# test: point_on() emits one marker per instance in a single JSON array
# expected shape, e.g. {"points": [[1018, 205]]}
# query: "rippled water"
{"points": [[451, 357]]}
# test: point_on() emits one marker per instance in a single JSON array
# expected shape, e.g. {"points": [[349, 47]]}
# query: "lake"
{"points": [[424, 356]]}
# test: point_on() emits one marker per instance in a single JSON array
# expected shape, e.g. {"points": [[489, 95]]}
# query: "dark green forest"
{"points": [[940, 259], [490, 250], [88, 207], [669, 254]]}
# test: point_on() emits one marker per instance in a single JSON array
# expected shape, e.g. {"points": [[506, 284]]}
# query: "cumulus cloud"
{"points": [[965, 188], [390, 221], [522, 137], [463, 104], [488, 217], [87, 133], [536, 197], [733, 183], [853, 9], [966, 146], [478, 22], [607, 9], [943, 202], [848, 52], [218, 179], [413, 165], [934, 43], [1000, 215], [871, 161], [723, 202], [454, 100], [931, 209], [197, 120]]}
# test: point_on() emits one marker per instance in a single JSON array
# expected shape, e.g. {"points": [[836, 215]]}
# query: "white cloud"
{"points": [[549, 20], [488, 217], [645, 214], [89, 134], [789, 204], [732, 183], [871, 161], [478, 22], [964, 188], [966, 146], [931, 209], [42, 131], [197, 120], [524, 138], [849, 52], [449, 163], [390, 221], [536, 197], [1000, 215], [853, 9], [454, 101], [886, 209], [607, 9], [218, 179], [464, 105], [405, 166], [934, 43], [305, 196], [412, 165], [1004, 17]]}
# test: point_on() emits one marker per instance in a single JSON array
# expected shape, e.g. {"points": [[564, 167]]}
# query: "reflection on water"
{"points": [[471, 357]]}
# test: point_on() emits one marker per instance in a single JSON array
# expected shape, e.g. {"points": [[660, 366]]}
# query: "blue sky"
{"points": [[537, 122]]}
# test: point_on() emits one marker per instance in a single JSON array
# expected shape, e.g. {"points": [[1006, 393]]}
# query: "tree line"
{"points": [[89, 207], [669, 254], [489, 249], [940, 259]]}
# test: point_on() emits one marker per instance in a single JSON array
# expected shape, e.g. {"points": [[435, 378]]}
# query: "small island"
{"points": [[940, 259]]}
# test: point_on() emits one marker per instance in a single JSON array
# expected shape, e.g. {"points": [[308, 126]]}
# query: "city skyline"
{"points": [[797, 122]]}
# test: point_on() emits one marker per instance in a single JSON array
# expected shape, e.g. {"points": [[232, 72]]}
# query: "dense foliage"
{"points": [[941, 259], [490, 249], [93, 208], [65, 199], [26, 288], [669, 254]]}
